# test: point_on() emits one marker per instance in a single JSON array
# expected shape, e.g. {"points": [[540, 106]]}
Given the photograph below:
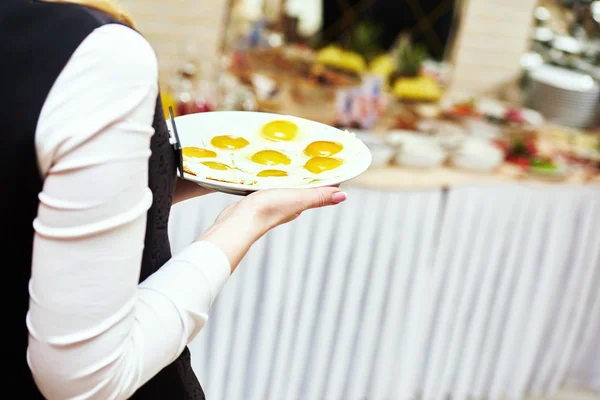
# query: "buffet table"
{"points": [[479, 291]]}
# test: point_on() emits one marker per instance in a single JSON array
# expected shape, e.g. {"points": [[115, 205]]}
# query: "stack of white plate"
{"points": [[563, 96]]}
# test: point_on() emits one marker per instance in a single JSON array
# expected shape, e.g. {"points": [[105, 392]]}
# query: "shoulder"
{"points": [[117, 51], [113, 72]]}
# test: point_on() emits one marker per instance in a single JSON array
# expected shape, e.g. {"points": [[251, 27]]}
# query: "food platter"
{"points": [[240, 152]]}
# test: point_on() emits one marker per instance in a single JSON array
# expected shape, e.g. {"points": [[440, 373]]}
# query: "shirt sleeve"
{"points": [[94, 332]]}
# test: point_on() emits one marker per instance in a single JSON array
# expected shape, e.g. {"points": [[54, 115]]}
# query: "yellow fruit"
{"points": [[383, 66], [335, 57], [422, 88]]}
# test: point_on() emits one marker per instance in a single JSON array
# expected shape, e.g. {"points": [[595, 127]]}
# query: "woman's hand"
{"points": [[186, 190], [244, 222]]}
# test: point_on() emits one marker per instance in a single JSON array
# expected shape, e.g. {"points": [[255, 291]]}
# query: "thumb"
{"points": [[320, 197]]}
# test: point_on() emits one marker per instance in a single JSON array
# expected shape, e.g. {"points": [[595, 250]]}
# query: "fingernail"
{"points": [[338, 197]]}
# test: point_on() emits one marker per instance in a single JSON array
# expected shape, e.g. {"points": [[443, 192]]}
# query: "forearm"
{"points": [[121, 344]]}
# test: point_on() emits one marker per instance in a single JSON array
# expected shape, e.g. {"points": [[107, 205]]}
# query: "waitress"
{"points": [[95, 306]]}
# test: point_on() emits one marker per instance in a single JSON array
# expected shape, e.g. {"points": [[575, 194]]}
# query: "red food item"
{"points": [[523, 162], [185, 108], [531, 148], [405, 124], [464, 109], [204, 106], [520, 161], [514, 115]]}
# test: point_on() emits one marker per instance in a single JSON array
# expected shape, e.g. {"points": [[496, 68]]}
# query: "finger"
{"points": [[320, 197]]}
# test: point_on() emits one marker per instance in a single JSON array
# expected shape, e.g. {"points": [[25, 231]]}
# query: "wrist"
{"points": [[234, 236], [254, 222]]}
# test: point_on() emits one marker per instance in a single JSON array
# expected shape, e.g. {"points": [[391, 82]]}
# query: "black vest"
{"points": [[36, 41]]}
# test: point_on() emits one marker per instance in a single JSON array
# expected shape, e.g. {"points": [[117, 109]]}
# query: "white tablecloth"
{"points": [[482, 292]]}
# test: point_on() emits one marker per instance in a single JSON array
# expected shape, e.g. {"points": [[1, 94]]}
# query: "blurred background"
{"points": [[476, 273], [431, 73]]}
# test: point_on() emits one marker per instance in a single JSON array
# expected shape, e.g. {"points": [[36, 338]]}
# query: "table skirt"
{"points": [[484, 292]]}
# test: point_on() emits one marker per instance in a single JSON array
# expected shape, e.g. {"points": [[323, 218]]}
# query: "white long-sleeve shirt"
{"points": [[94, 332]]}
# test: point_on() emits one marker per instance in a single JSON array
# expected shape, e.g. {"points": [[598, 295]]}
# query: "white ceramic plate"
{"points": [[192, 128]]}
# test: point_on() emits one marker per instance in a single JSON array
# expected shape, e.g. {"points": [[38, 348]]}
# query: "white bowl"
{"points": [[417, 151], [382, 156], [447, 134], [477, 155], [381, 152], [431, 159], [483, 129], [396, 137]]}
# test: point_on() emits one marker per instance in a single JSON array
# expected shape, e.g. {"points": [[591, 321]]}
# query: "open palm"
{"points": [[242, 223]]}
